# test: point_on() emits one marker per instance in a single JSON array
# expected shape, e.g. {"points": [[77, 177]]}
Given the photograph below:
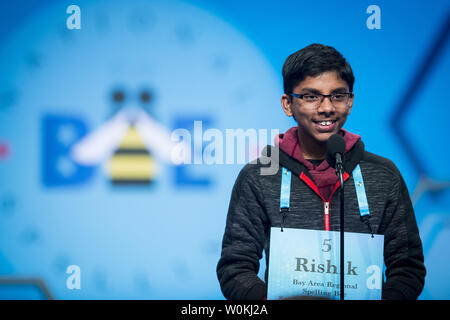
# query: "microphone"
{"points": [[335, 155], [335, 151]]}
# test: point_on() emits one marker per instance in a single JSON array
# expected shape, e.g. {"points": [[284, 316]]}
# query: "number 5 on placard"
{"points": [[326, 245]]}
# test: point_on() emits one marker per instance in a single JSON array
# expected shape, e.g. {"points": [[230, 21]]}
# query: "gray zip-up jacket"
{"points": [[255, 207]]}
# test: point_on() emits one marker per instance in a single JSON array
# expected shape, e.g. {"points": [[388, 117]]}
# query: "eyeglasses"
{"points": [[337, 99]]}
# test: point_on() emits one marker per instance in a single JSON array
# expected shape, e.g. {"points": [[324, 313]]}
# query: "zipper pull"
{"points": [[327, 215]]}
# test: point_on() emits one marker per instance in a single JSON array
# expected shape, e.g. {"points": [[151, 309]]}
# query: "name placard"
{"points": [[306, 263]]}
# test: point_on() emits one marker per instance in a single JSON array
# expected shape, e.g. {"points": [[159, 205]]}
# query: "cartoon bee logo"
{"points": [[128, 143]]}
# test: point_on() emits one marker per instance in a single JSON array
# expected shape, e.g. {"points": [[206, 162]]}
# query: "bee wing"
{"points": [[101, 144], [159, 140]]}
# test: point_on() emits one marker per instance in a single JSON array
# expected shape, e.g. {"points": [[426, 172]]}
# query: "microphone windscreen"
{"points": [[335, 144]]}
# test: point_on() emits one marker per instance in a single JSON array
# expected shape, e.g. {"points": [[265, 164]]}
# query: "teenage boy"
{"points": [[318, 93]]}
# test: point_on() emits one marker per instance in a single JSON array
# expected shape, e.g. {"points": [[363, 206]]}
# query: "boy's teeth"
{"points": [[325, 123]]}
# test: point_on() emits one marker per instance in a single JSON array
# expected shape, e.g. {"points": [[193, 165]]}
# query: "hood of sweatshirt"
{"points": [[323, 175]]}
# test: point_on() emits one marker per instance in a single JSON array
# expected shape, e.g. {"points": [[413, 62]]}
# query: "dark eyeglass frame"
{"points": [[322, 96]]}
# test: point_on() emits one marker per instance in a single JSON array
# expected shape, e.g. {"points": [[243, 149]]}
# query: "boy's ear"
{"points": [[286, 104], [350, 104]]}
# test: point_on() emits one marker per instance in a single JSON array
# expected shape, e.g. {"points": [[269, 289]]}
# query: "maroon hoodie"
{"points": [[323, 175]]}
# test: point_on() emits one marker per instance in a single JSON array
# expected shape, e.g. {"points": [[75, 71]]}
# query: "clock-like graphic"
{"points": [[174, 63]]}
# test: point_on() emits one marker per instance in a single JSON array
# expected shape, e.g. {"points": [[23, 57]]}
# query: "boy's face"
{"points": [[321, 120]]}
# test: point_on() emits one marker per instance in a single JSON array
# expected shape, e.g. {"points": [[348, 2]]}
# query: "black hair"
{"points": [[312, 61]]}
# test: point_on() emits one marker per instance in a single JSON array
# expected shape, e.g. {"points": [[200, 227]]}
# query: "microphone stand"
{"points": [[340, 173]]}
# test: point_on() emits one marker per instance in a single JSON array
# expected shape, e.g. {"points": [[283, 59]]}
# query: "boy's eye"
{"points": [[311, 97], [338, 96]]}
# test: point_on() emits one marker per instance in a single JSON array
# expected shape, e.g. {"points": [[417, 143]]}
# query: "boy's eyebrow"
{"points": [[310, 90], [340, 89], [315, 91]]}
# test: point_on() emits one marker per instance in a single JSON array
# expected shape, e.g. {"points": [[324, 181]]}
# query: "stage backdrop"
{"points": [[88, 221]]}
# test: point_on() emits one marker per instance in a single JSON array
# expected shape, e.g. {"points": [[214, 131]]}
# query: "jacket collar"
{"points": [[351, 158]]}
